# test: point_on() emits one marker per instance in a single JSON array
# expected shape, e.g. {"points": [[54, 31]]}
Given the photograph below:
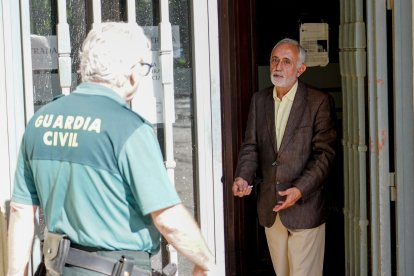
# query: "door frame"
{"points": [[238, 81]]}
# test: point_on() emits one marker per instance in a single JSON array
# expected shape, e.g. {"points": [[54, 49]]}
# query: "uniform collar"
{"points": [[94, 89]]}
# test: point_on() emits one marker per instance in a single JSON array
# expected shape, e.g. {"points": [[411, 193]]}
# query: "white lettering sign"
{"points": [[44, 52]]}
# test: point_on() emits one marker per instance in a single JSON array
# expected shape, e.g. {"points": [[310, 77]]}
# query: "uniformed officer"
{"points": [[96, 170]]}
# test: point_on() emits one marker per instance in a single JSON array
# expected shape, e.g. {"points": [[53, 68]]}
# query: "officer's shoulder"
{"points": [[145, 121], [57, 97], [141, 120]]}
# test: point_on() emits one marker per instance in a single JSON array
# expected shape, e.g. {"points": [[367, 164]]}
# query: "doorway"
{"points": [[256, 26]]}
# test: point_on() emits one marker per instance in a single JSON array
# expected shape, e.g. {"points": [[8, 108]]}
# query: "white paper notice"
{"points": [[314, 37]]}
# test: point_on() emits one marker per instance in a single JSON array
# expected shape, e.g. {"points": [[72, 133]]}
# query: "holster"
{"points": [[123, 267], [55, 250]]}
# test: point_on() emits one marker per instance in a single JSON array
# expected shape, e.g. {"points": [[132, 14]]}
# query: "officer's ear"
{"points": [[135, 75], [132, 79], [132, 85]]}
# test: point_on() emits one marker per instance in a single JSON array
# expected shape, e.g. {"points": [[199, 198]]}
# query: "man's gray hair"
{"points": [[111, 50], [302, 52]]}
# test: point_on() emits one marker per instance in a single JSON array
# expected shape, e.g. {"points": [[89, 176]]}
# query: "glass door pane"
{"points": [[147, 15], [44, 43], [46, 84]]}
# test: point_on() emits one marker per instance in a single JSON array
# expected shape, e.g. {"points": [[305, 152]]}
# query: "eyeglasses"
{"points": [[145, 68]]}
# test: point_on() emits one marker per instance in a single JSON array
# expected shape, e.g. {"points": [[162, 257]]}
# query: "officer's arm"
{"points": [[21, 232], [181, 231]]}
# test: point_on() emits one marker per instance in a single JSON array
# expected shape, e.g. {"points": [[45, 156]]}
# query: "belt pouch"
{"points": [[123, 267], [55, 250]]}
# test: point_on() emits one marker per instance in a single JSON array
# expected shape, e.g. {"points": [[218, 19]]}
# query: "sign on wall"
{"points": [[44, 52], [314, 37]]}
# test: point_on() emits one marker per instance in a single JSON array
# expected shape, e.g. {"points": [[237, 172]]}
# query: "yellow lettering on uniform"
{"points": [[55, 138], [69, 122], [39, 121], [78, 122], [95, 126], [70, 139], [73, 140], [87, 121], [58, 122], [63, 137], [47, 138], [47, 122]]}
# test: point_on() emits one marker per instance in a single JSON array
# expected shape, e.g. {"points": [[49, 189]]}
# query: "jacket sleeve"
{"points": [[247, 163]]}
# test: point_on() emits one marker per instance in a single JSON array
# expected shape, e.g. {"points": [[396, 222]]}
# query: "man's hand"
{"points": [[241, 187], [292, 196], [199, 271], [180, 229]]}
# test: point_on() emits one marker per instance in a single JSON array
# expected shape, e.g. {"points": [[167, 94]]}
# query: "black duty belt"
{"points": [[104, 265]]}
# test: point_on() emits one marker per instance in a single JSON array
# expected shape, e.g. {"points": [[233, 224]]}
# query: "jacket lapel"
{"points": [[295, 116], [269, 107]]}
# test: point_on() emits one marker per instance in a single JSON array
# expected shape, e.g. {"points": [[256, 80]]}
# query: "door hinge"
{"points": [[393, 187]]}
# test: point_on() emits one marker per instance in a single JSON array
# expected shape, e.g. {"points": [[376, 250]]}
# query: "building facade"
{"points": [[209, 58]]}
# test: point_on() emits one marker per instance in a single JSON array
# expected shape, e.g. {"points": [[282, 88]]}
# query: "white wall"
{"points": [[12, 118]]}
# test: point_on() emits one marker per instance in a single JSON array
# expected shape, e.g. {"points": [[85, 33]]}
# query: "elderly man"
{"points": [[289, 148]]}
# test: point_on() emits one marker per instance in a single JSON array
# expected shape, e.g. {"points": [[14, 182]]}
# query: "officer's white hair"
{"points": [[302, 52], [111, 50]]}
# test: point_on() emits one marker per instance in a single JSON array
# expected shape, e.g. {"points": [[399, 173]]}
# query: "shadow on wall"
{"points": [[4, 216]]}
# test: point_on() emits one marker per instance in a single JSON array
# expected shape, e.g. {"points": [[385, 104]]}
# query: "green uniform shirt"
{"points": [[96, 169]]}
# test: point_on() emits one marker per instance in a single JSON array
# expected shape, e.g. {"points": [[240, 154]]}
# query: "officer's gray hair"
{"points": [[302, 52], [111, 50]]}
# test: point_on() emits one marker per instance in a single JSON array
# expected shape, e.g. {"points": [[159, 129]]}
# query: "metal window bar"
{"points": [[379, 133], [167, 80], [131, 18], [353, 72], [96, 12], [64, 49]]}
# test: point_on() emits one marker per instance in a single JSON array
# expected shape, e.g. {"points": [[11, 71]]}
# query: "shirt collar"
{"points": [[289, 95], [89, 88]]}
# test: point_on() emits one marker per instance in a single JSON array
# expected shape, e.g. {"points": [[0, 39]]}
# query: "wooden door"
{"points": [[246, 248]]}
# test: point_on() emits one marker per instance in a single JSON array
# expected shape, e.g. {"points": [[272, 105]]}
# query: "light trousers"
{"points": [[296, 252]]}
